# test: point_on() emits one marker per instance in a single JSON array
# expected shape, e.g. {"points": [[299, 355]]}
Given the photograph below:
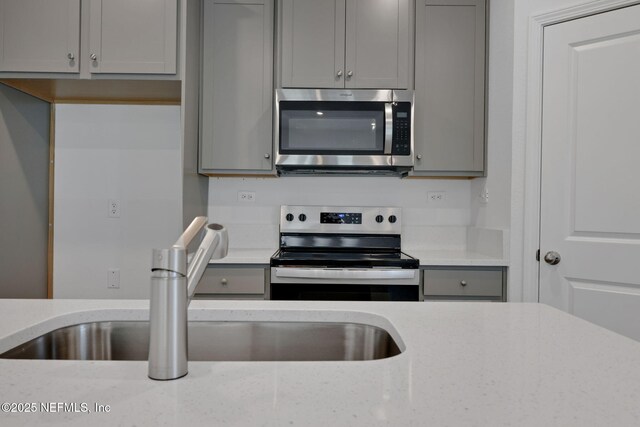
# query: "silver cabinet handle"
{"points": [[463, 283], [349, 74], [339, 73], [94, 57], [552, 258], [419, 157], [71, 56], [224, 281], [267, 156]]}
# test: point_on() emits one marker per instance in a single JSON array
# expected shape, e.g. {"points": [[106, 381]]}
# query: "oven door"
{"points": [[344, 284], [334, 128]]}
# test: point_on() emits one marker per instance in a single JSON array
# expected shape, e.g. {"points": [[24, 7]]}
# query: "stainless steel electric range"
{"points": [[342, 253]]}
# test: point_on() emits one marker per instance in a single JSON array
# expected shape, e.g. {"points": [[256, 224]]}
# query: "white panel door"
{"points": [[39, 35], [590, 203]]}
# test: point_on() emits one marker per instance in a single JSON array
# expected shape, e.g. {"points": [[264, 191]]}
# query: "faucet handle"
{"points": [[191, 231]]}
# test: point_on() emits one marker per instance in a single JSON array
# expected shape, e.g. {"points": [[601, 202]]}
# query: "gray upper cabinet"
{"points": [[104, 36], [237, 87], [346, 43], [133, 36], [379, 36], [312, 43], [39, 36], [450, 88]]}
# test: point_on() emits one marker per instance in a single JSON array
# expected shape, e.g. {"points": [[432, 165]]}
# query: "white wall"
{"points": [[255, 224], [24, 190], [102, 152], [496, 213]]}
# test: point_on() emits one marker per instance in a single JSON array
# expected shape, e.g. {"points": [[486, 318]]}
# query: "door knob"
{"points": [[419, 157], [93, 57], [267, 156], [339, 73], [350, 74], [552, 258]]}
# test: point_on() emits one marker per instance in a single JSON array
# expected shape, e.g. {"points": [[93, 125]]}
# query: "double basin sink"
{"points": [[215, 341]]}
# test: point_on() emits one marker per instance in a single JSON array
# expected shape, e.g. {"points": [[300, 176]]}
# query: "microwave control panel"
{"points": [[401, 143]]}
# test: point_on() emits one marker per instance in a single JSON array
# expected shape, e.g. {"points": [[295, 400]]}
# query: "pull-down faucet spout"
{"points": [[172, 287]]}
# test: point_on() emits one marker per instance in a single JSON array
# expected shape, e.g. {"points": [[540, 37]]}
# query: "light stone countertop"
{"points": [[427, 257], [480, 364], [434, 257], [246, 256]]}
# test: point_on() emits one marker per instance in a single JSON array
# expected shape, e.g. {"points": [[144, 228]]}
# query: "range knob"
{"points": [[392, 219], [289, 217], [379, 219], [302, 217]]}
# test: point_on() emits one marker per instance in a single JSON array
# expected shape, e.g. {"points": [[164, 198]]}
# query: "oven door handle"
{"points": [[349, 274]]}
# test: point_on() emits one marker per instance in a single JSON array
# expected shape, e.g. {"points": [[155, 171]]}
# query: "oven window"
{"points": [[331, 127]]}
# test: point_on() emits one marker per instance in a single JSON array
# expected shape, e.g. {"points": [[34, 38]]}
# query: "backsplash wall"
{"points": [[255, 224], [129, 153]]}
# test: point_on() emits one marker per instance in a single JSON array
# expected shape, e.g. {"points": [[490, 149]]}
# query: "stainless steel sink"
{"points": [[216, 341]]}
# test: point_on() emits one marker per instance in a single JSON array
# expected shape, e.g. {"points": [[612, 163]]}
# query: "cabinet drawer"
{"points": [[232, 281], [463, 282]]}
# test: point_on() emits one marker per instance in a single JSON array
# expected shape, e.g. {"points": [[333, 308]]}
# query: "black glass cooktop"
{"points": [[338, 258]]}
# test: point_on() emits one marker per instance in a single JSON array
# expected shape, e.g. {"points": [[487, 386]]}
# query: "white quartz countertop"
{"points": [[246, 256], [427, 257], [435, 257], [481, 364]]}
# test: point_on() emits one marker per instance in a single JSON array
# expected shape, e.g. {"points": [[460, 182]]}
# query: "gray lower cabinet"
{"points": [[224, 282], [473, 283], [237, 87], [449, 130]]}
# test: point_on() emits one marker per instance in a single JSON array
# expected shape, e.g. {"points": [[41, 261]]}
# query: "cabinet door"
{"points": [[378, 44], [237, 86], [133, 36], [450, 87], [39, 35], [312, 43], [463, 282], [232, 281]]}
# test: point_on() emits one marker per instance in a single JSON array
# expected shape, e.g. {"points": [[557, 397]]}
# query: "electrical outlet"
{"points": [[114, 208], [246, 196], [436, 196], [113, 278], [484, 196]]}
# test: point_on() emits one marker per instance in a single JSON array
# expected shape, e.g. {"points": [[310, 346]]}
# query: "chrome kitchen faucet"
{"points": [[172, 287]]}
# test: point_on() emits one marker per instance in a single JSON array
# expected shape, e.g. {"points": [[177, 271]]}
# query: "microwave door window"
{"points": [[326, 131]]}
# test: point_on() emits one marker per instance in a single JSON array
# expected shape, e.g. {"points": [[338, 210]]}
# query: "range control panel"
{"points": [[340, 219]]}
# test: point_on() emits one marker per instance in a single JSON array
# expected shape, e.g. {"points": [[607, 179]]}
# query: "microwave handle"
{"points": [[388, 127]]}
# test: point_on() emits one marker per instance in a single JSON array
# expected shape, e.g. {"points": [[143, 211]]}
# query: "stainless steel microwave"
{"points": [[339, 131]]}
